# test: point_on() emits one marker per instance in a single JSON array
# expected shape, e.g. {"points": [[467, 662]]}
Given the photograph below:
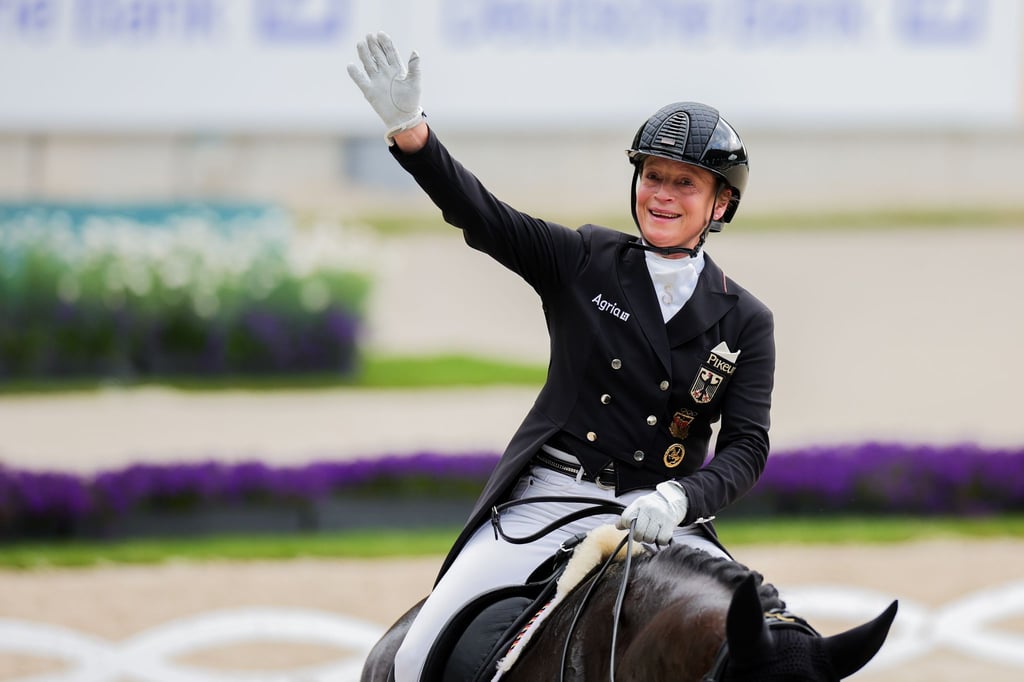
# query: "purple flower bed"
{"points": [[44, 504], [871, 478], [888, 478]]}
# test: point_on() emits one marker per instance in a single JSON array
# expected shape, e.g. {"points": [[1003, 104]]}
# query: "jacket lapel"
{"points": [[709, 303], [636, 285]]}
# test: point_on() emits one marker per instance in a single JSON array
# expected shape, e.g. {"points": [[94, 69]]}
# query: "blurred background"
{"points": [[845, 105], [209, 261]]}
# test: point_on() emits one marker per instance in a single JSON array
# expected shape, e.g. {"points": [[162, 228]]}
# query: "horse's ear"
{"points": [[851, 650], [745, 628]]}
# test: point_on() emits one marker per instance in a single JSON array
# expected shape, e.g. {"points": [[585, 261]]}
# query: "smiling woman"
{"points": [[640, 329], [675, 201], [686, 182]]}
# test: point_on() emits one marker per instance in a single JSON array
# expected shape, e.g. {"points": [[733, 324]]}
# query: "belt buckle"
{"points": [[602, 485]]}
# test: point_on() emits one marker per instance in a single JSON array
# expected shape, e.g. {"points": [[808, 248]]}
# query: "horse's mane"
{"points": [[727, 572]]}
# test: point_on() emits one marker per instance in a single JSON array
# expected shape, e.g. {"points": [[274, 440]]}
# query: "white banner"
{"points": [[279, 65]]}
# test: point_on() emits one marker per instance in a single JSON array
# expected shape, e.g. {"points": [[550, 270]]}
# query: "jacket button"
{"points": [[652, 420], [664, 385], [591, 436], [605, 399], [616, 364], [638, 455]]}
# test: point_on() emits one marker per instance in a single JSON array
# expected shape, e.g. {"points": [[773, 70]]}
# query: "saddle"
{"points": [[478, 635], [474, 642]]}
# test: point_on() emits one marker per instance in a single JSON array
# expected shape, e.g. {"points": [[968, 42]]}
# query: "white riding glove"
{"points": [[391, 89], [657, 514]]}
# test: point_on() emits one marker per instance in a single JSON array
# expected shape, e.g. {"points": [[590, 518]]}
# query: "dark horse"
{"points": [[686, 616]]}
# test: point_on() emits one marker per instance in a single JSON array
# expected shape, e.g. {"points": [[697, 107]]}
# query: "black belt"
{"points": [[606, 477]]}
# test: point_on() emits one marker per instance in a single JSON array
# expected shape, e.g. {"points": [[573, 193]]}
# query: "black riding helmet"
{"points": [[696, 134]]}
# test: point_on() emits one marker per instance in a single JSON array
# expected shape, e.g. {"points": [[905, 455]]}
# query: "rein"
{"points": [[598, 506]]}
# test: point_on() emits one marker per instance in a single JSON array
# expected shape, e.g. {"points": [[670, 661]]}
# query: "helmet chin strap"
{"points": [[671, 250], [677, 250]]}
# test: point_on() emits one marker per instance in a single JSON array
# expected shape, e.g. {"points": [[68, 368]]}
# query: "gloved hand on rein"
{"points": [[657, 514], [392, 89]]}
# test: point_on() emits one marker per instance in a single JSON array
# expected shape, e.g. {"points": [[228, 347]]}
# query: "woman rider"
{"points": [[651, 344]]}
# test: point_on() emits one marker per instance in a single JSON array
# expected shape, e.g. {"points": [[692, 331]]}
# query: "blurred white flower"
{"points": [[324, 245], [67, 288], [205, 303], [201, 254], [138, 278], [314, 296]]}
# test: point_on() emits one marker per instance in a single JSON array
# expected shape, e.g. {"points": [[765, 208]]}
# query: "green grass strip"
{"points": [[767, 221], [351, 545], [866, 529], [855, 221], [447, 370], [377, 372], [397, 544]]}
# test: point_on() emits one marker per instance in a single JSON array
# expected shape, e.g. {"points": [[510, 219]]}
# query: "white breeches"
{"points": [[485, 562]]}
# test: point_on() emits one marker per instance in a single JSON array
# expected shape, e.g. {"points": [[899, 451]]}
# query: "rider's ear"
{"points": [[745, 628]]}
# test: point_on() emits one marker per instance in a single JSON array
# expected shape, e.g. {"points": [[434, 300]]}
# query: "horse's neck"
{"points": [[688, 616], [672, 619]]}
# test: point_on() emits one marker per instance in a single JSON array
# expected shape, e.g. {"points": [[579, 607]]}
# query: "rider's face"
{"points": [[674, 201]]}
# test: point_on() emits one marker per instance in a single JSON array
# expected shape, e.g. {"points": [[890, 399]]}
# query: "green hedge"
{"points": [[151, 291]]}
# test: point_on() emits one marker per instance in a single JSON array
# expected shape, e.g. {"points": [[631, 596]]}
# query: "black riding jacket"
{"points": [[622, 385]]}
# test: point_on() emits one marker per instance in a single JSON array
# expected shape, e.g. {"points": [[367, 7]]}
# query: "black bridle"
{"points": [[776, 619]]}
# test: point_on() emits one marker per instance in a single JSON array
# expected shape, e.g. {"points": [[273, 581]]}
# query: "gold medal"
{"points": [[674, 455]]}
